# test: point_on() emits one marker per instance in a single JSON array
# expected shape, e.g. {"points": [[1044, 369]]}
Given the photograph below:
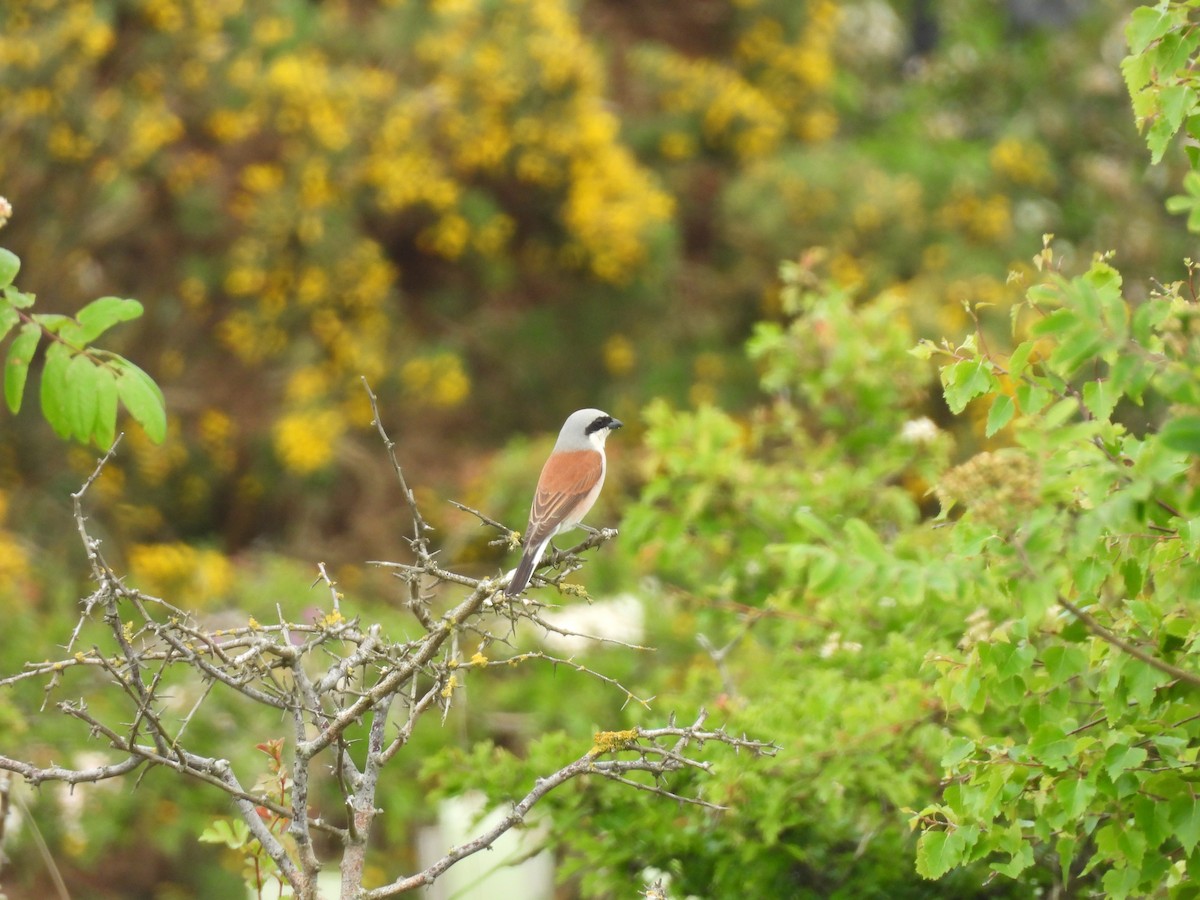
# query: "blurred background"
{"points": [[496, 212]]}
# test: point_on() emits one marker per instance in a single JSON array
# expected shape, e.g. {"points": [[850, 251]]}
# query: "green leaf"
{"points": [[1009, 660], [923, 350], [16, 369], [1183, 434], [814, 525], [1057, 323], [101, 314], [222, 831], [1175, 50], [105, 428], [1060, 412], [142, 397], [1019, 361], [52, 322], [55, 400], [938, 852], [864, 542], [1031, 398], [964, 381], [1021, 860], [1065, 847], [1121, 758], [1075, 350], [1051, 745], [1121, 844], [1153, 818], [1075, 795], [1120, 881], [1176, 101], [1064, 662], [1099, 398], [1000, 415], [1180, 203], [81, 378], [1158, 138], [1185, 821], [1137, 71], [18, 299], [1146, 25], [10, 265], [8, 318], [1131, 376], [958, 750]]}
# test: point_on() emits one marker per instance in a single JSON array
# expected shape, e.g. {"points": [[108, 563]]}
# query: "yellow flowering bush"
{"points": [[305, 441], [14, 560], [189, 577], [707, 103], [515, 92], [281, 190], [774, 86], [461, 199], [1022, 163], [437, 381]]}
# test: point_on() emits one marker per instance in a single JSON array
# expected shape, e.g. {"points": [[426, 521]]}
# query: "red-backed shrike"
{"points": [[569, 484]]}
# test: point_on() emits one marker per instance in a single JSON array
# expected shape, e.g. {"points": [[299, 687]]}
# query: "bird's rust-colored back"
{"points": [[566, 478]]}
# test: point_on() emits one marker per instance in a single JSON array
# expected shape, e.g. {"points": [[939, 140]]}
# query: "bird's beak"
{"points": [[615, 424]]}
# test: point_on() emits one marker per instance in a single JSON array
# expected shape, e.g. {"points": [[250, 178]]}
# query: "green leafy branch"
{"points": [[1159, 73], [1086, 321], [81, 385], [1086, 351], [1077, 702]]}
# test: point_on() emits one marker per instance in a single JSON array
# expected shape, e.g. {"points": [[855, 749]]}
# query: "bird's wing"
{"points": [[567, 478]]}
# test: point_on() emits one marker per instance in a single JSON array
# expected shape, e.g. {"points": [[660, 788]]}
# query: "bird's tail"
{"points": [[524, 570]]}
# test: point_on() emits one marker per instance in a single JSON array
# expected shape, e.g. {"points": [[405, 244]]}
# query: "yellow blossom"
{"points": [[14, 562], [262, 178], [216, 433], [619, 355], [447, 238], [180, 573], [1022, 162], [491, 239], [306, 385], [677, 145], [438, 380], [305, 441]]}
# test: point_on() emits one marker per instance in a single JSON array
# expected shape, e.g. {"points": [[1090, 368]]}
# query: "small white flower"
{"points": [[919, 431], [831, 645]]}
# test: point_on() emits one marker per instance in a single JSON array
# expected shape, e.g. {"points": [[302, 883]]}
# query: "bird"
{"points": [[568, 486]]}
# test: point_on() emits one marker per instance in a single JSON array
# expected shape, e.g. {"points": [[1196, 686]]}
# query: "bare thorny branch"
{"points": [[327, 677]]}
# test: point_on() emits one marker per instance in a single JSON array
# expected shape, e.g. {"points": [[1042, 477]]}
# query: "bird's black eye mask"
{"points": [[600, 423]]}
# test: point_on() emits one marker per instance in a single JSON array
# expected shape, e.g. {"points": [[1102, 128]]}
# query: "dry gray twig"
{"points": [[325, 678]]}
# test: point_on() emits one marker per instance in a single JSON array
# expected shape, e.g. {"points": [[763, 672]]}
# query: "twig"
{"points": [[588, 764], [484, 519], [333, 591], [718, 654], [329, 677], [1191, 678], [421, 528]]}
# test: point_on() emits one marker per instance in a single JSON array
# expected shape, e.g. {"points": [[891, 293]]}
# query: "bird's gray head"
{"points": [[586, 428]]}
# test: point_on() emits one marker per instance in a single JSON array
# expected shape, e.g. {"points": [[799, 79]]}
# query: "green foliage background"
{"points": [[497, 212]]}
